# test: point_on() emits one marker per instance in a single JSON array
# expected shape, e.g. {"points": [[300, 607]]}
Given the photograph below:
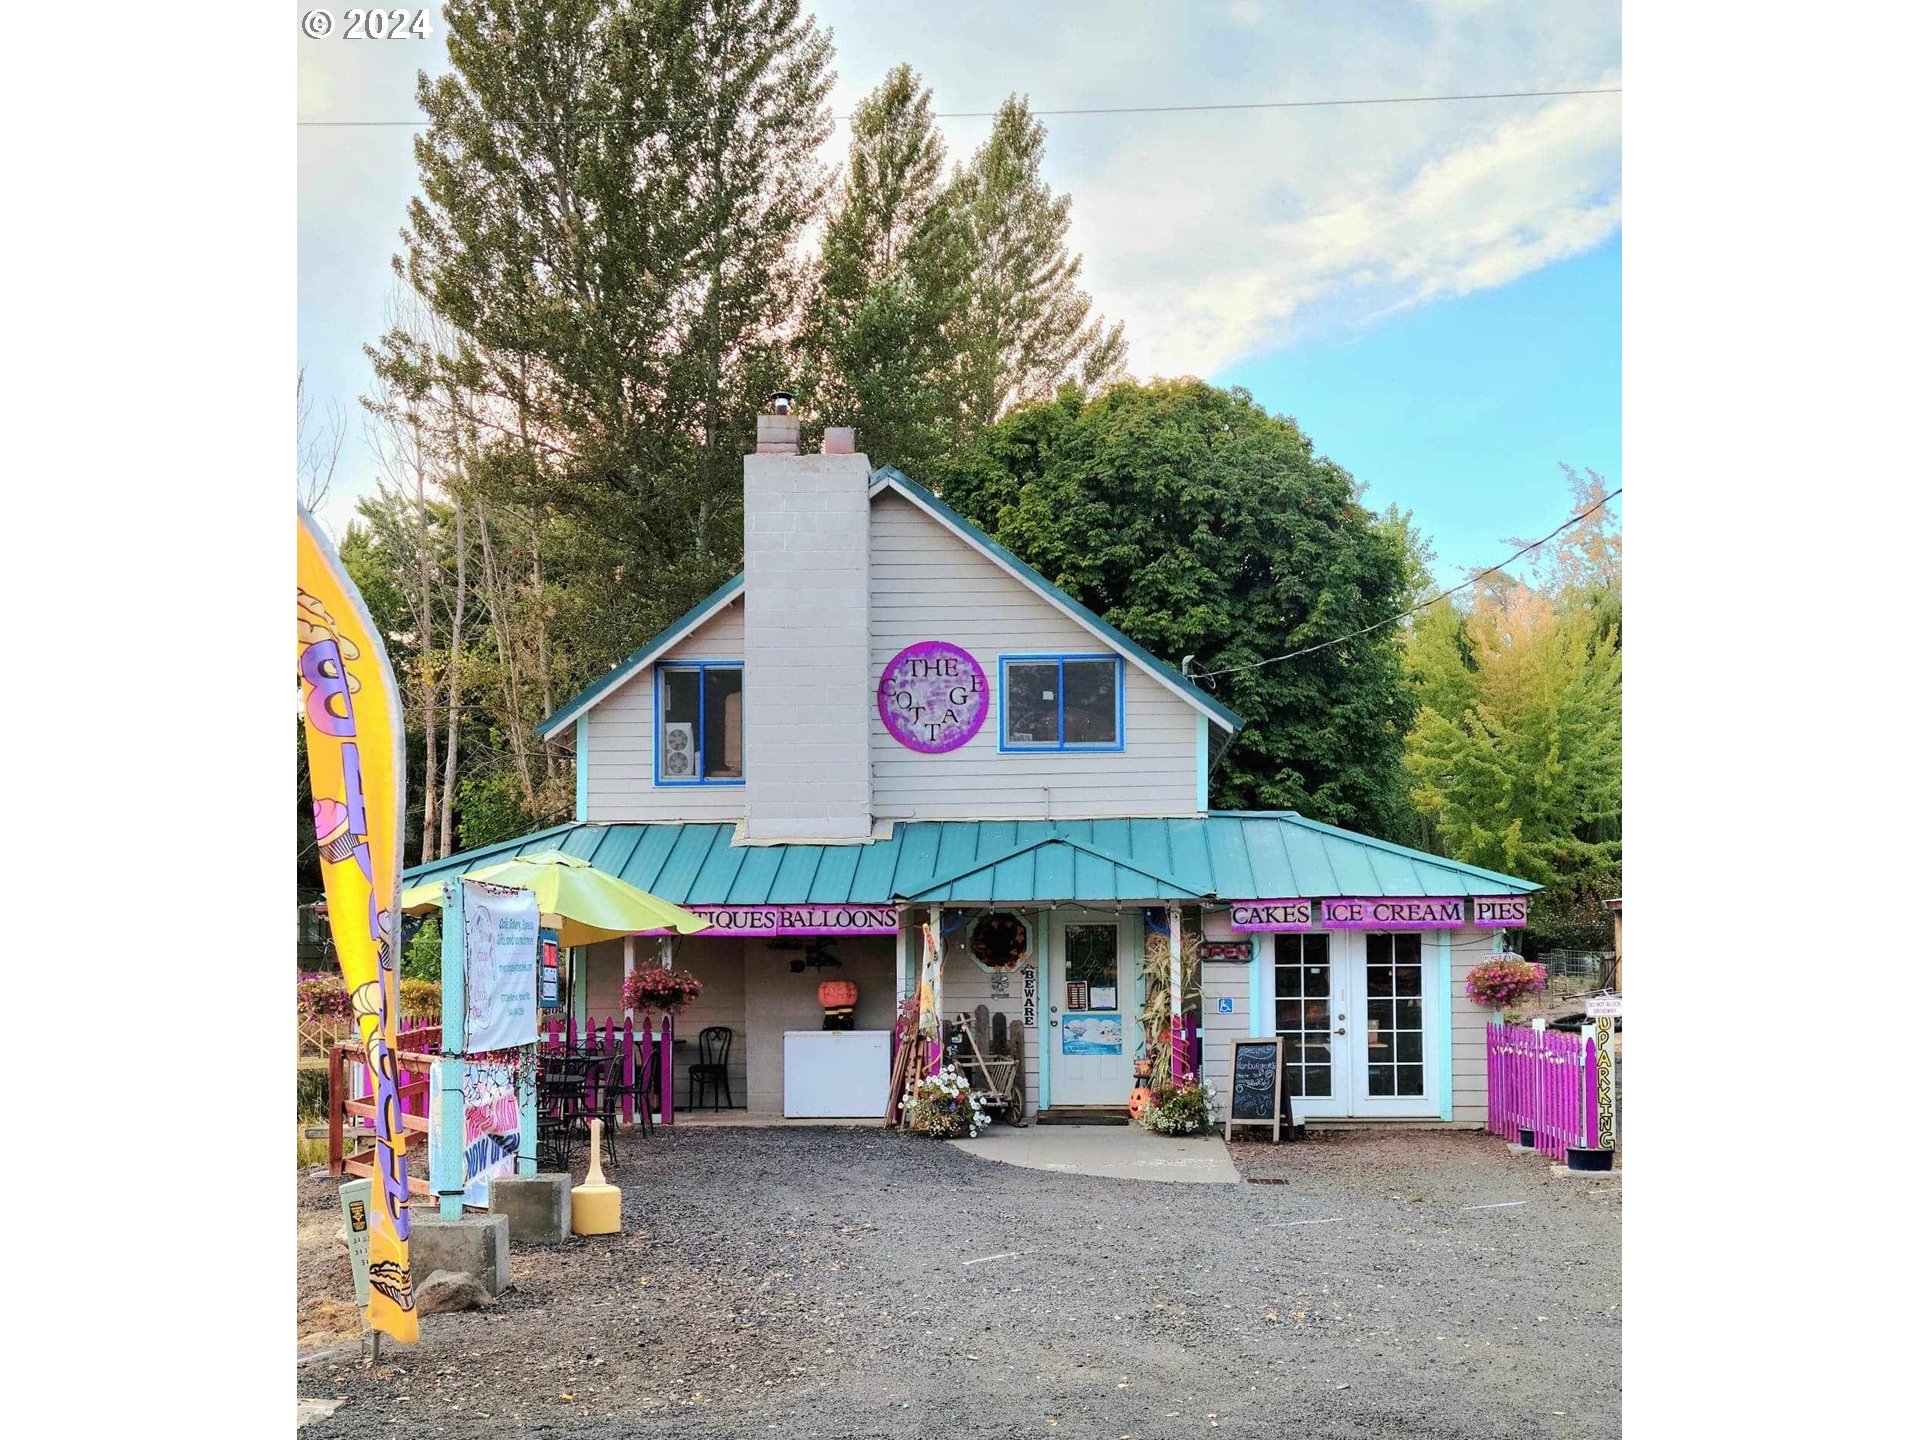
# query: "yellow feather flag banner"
{"points": [[356, 757]]}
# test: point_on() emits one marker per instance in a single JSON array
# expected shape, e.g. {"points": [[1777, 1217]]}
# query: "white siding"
{"points": [[928, 585], [1470, 948], [1217, 1031], [620, 741], [964, 985]]}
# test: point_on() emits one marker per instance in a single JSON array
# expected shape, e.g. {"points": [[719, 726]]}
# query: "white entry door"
{"points": [[1391, 977], [1093, 984], [1356, 1010]]}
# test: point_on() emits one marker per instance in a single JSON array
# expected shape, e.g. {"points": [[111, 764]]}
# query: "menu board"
{"points": [[1259, 1087]]}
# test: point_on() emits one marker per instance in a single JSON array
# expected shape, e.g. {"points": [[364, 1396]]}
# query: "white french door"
{"points": [[1356, 1010]]}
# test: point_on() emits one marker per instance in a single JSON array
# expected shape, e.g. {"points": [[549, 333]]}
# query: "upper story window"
{"points": [[1061, 702], [698, 727]]}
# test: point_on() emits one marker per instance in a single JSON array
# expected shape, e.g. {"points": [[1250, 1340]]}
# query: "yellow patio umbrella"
{"points": [[590, 904]]}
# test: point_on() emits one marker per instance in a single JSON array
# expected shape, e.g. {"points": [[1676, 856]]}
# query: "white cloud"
{"points": [[1220, 234], [1254, 266]]}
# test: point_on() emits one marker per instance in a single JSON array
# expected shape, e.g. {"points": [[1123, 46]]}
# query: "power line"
{"points": [[1122, 109], [1599, 505]]}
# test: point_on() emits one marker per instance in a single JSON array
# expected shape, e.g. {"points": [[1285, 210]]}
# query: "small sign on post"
{"points": [[1607, 1005], [355, 1197]]}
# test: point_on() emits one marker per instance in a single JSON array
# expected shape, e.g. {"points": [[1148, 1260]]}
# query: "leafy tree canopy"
{"points": [[1202, 526]]}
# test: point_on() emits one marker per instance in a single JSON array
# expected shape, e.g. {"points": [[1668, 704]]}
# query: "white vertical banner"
{"points": [[502, 967]]}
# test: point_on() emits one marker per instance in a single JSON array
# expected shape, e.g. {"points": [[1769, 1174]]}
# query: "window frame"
{"points": [[700, 667], [1060, 743]]}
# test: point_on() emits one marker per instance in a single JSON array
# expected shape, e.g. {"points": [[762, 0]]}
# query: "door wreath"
{"points": [[999, 941]]}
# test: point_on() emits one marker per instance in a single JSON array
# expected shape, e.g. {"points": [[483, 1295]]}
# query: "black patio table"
{"points": [[561, 1099]]}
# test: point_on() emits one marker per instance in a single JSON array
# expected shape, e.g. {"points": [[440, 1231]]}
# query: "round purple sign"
{"points": [[933, 697]]}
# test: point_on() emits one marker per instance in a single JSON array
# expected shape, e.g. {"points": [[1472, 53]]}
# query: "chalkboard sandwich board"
{"points": [[1259, 1087]]}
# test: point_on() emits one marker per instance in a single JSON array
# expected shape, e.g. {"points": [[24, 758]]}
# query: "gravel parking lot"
{"points": [[843, 1283]]}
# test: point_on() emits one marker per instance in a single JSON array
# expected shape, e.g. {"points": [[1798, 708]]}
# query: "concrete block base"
{"points": [[538, 1208], [476, 1244]]}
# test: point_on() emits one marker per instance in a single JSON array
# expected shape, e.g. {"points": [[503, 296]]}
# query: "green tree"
{"points": [[611, 196], [1516, 750], [1202, 526], [878, 345], [1027, 327]]}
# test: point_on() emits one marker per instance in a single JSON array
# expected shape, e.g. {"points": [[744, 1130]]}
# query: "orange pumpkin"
{"points": [[1139, 1100], [838, 994]]}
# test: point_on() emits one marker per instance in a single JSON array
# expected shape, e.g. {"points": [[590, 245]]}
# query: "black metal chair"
{"points": [[561, 1098], [709, 1071]]}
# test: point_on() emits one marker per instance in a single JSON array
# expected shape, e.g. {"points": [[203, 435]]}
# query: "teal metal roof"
{"points": [[1229, 855], [642, 657], [887, 475]]}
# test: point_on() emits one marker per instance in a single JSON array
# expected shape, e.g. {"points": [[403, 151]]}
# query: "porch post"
{"points": [[665, 1052], [902, 964], [446, 1154], [936, 975], [1176, 992], [626, 974]]}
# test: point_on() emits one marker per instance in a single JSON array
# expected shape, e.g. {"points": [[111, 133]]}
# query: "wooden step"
{"points": [[1083, 1115]]}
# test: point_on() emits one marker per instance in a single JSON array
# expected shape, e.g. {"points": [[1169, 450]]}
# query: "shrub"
{"points": [[659, 991], [420, 999], [1498, 984], [324, 997], [420, 960], [1188, 1108], [945, 1107]]}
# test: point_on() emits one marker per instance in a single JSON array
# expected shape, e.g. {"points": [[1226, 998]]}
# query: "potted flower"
{"points": [[655, 990], [1502, 982], [945, 1107], [1188, 1108]]}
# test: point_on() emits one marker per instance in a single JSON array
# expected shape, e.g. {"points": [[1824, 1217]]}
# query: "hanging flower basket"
{"points": [[1499, 984], [659, 992]]}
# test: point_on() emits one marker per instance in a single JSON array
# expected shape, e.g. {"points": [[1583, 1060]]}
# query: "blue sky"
{"points": [[1431, 291], [1462, 410]]}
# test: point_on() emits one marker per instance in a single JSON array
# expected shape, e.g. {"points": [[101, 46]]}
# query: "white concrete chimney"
{"points": [[808, 690]]}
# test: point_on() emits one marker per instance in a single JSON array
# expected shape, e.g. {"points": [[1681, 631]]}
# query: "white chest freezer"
{"points": [[838, 1074]]}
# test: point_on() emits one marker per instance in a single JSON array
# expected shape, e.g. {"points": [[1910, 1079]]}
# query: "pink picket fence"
{"points": [[1543, 1081], [641, 1053]]}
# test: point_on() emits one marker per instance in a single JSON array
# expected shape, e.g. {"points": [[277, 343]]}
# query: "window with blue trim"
{"points": [[1061, 702], [698, 729]]}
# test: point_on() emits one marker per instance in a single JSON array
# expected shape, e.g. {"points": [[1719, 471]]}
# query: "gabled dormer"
{"points": [[881, 659]]}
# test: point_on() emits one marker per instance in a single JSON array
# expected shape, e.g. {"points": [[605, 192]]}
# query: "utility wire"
{"points": [[1599, 505], [1120, 109]]}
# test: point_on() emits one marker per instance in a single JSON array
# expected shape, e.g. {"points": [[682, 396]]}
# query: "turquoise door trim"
{"points": [[1260, 1020], [1443, 1025], [580, 769], [1039, 924]]}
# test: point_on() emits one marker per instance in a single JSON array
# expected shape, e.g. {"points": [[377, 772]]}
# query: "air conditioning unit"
{"points": [[678, 759]]}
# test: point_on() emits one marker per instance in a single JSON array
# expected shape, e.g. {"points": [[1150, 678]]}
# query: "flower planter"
{"points": [[1526, 1138], [1585, 1157]]}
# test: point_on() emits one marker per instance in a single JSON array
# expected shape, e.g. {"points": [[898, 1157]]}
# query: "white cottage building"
{"points": [[886, 721]]}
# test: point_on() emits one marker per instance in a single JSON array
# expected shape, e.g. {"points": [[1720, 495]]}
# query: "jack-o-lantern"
{"points": [[1139, 1100]]}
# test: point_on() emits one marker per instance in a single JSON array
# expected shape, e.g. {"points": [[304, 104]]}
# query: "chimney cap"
{"points": [[783, 402]]}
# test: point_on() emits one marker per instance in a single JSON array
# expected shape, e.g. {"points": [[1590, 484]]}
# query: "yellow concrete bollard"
{"points": [[596, 1204]]}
